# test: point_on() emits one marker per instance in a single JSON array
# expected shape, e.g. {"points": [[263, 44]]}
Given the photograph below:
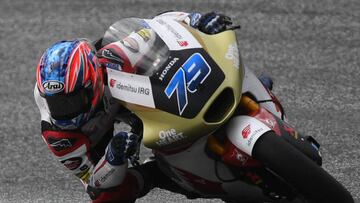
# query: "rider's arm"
{"points": [[78, 150], [71, 148]]}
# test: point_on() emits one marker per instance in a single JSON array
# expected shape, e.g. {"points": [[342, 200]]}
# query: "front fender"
{"points": [[243, 131]]}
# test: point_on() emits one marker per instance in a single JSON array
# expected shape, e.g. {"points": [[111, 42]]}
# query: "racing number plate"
{"points": [[186, 82]]}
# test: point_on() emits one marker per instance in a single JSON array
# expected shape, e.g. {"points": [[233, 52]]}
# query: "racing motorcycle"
{"points": [[213, 127]]}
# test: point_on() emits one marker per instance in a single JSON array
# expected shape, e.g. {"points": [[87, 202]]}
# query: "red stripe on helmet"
{"points": [[38, 75], [72, 71]]}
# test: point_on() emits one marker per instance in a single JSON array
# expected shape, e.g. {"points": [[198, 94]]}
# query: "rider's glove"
{"points": [[210, 23], [122, 146]]}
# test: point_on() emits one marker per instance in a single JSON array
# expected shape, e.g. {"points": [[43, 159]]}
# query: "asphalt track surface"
{"points": [[310, 48]]}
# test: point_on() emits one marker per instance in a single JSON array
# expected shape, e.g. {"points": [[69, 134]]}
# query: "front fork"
{"points": [[243, 130], [233, 153]]}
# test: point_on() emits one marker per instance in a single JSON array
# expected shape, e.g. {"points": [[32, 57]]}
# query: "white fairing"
{"points": [[203, 171], [201, 165], [251, 84], [244, 131], [173, 33]]}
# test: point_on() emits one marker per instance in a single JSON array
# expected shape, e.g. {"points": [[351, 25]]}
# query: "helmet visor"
{"points": [[68, 106]]}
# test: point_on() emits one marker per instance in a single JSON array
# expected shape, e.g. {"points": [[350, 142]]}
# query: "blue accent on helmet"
{"points": [[55, 61]]}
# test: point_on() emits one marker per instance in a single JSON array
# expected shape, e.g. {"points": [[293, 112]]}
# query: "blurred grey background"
{"points": [[310, 48]]}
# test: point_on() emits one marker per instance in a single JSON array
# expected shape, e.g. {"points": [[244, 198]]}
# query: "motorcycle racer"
{"points": [[80, 121]]}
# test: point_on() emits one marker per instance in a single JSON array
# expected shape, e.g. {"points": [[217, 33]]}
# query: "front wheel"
{"points": [[302, 173]]}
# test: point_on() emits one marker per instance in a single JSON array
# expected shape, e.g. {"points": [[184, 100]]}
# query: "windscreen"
{"points": [[137, 36]]}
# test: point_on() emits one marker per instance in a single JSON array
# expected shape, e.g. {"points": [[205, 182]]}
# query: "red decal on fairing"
{"points": [[246, 131], [200, 184], [277, 103], [112, 82], [278, 106], [183, 43], [276, 124], [236, 157], [268, 119]]}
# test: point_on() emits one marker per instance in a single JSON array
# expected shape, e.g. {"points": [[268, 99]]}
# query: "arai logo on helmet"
{"points": [[53, 86]]}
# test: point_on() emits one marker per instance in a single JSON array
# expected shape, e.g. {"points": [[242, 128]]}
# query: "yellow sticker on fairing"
{"points": [[145, 34]]}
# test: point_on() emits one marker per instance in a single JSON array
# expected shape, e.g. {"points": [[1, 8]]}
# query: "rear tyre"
{"points": [[302, 173]]}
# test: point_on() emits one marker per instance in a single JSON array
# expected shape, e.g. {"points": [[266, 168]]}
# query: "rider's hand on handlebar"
{"points": [[210, 23], [122, 146]]}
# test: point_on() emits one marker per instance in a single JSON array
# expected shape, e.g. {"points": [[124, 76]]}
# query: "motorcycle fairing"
{"points": [[166, 129], [177, 89], [195, 171], [252, 85], [194, 174], [158, 122]]}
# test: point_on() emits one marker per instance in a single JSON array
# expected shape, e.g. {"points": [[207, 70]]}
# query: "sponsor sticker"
{"points": [[169, 28], [255, 134], [72, 163], [241, 157], [53, 86], [131, 88], [183, 43], [103, 178], [167, 68], [60, 144], [233, 54], [170, 136], [175, 35], [244, 131], [134, 89], [145, 34]]}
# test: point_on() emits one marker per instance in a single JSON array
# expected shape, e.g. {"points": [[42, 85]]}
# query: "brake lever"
{"points": [[235, 27]]}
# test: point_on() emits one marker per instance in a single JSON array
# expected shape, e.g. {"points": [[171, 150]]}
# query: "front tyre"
{"points": [[309, 179]]}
